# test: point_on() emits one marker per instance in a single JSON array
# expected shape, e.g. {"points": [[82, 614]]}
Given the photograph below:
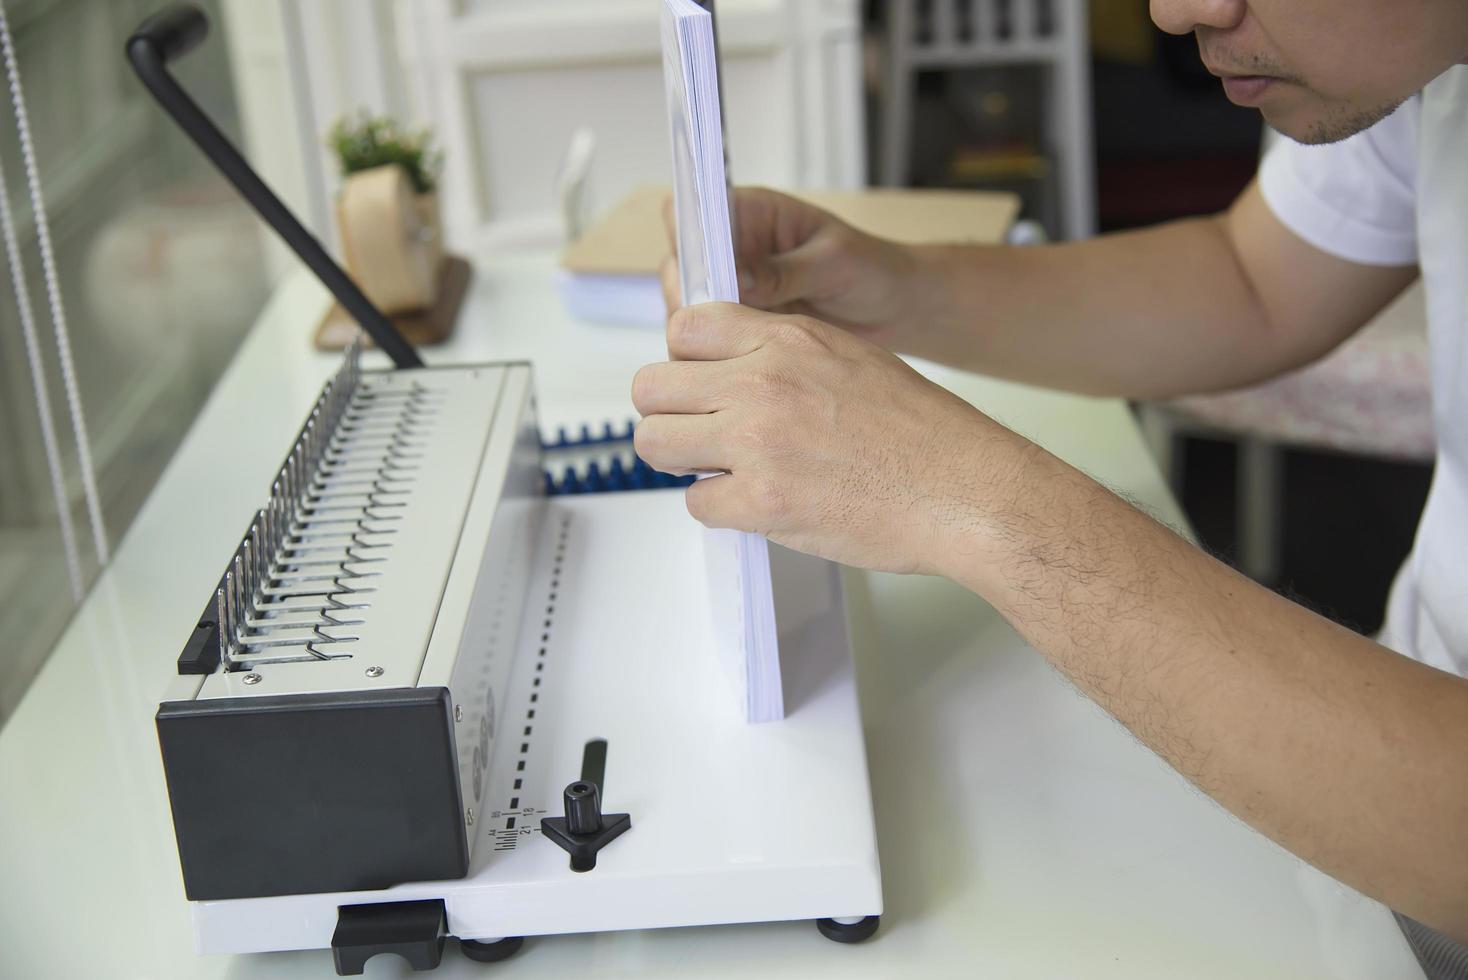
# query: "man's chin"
{"points": [[1291, 125], [1330, 123]]}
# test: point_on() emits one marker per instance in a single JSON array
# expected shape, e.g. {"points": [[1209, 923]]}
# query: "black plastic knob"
{"points": [[583, 808], [584, 830]]}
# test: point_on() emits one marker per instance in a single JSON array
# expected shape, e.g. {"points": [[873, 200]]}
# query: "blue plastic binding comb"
{"points": [[625, 470]]}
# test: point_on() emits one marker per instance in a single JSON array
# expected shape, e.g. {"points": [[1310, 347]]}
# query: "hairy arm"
{"points": [[1344, 752], [1196, 305]]}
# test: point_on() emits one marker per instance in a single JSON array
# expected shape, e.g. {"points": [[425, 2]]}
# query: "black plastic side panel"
{"points": [[313, 793], [201, 651]]}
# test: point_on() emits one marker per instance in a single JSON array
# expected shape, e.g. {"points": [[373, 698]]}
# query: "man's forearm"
{"points": [[1346, 753], [1140, 314], [1197, 305]]}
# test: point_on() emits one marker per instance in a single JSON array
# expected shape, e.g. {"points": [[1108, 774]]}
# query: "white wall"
{"points": [[298, 65], [505, 83]]}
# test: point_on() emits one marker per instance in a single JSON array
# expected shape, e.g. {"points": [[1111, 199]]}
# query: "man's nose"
{"points": [[1183, 16]]}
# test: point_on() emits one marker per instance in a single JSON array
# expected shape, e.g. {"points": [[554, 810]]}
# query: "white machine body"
{"points": [[558, 621]]}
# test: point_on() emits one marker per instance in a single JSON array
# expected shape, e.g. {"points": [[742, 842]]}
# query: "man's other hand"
{"points": [[793, 257]]}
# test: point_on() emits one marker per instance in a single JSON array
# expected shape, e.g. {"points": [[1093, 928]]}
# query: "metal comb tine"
{"points": [[331, 401], [228, 625], [272, 524], [222, 622], [342, 369], [240, 608], [327, 405], [245, 560], [250, 551], [347, 381], [282, 522], [243, 603], [282, 532], [237, 565], [287, 515], [250, 548], [309, 438], [261, 548], [318, 409], [350, 366], [327, 408], [319, 430], [265, 551], [293, 476]]}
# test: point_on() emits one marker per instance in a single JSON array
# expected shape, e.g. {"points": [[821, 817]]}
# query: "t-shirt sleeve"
{"points": [[1355, 199]]}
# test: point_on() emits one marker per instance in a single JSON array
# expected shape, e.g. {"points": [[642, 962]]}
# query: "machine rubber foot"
{"points": [[854, 933], [491, 952]]}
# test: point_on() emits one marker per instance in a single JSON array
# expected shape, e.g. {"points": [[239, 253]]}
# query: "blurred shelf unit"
{"points": [[1016, 106]]}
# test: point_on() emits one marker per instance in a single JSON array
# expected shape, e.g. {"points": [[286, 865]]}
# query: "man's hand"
{"points": [[828, 443], [793, 257]]}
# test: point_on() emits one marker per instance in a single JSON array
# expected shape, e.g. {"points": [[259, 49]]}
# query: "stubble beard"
{"points": [[1342, 121]]}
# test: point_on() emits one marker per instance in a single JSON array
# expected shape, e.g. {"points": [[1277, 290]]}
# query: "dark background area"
{"points": [[1169, 144]]}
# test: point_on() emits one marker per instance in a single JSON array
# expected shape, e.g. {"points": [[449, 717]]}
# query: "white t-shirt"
{"points": [[1393, 195]]}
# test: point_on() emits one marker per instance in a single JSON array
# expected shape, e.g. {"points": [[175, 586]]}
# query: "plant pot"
{"points": [[430, 228], [391, 238]]}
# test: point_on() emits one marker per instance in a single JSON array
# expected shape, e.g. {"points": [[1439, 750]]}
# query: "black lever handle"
{"points": [[171, 33]]}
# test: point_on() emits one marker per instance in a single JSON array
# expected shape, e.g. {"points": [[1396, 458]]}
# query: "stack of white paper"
{"points": [[739, 564]]}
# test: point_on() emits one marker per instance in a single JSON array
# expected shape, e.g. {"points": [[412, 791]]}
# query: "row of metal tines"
{"points": [[298, 583]]}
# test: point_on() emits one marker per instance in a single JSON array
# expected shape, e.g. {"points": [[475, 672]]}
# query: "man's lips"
{"points": [[1247, 89], [1243, 89]]}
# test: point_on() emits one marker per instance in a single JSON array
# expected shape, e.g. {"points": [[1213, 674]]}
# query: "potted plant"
{"points": [[388, 209]]}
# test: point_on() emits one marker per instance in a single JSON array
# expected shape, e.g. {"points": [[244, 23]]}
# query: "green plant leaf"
{"points": [[363, 141]]}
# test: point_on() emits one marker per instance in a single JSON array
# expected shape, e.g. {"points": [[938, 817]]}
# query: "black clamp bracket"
{"points": [[414, 930]]}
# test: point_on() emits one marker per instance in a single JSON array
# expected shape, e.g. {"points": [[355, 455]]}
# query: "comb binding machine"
{"points": [[419, 680]]}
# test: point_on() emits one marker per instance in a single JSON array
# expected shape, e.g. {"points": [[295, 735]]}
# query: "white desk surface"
{"points": [[1022, 832]]}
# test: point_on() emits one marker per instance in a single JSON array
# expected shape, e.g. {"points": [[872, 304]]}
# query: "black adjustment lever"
{"points": [[172, 33], [585, 830]]}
